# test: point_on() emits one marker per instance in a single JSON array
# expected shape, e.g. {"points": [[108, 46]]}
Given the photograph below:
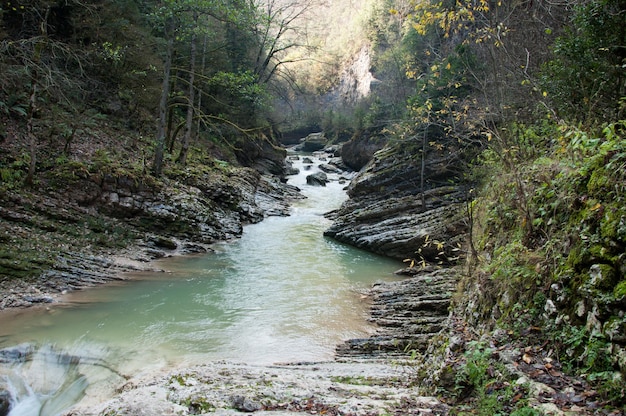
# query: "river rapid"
{"points": [[281, 293]]}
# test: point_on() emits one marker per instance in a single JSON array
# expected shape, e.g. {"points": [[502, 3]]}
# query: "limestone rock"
{"points": [[407, 313], [389, 213], [317, 179], [314, 142], [360, 149]]}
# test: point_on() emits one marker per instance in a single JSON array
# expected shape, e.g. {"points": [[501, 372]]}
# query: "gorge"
{"points": [[481, 144]]}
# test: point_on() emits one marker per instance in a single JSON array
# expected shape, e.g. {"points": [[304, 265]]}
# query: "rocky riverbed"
{"points": [[372, 376], [358, 383], [329, 388]]}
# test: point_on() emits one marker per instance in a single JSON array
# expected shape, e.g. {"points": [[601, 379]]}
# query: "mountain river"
{"points": [[281, 293]]}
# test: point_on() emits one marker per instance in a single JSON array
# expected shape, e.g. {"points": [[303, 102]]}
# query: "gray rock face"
{"points": [[314, 142], [408, 314], [317, 179], [359, 150], [386, 213], [203, 209]]}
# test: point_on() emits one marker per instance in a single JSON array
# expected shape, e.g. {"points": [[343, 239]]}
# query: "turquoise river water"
{"points": [[281, 293]]}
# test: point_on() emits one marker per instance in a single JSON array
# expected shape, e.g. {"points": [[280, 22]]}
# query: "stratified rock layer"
{"points": [[411, 209], [172, 216], [392, 212], [408, 314]]}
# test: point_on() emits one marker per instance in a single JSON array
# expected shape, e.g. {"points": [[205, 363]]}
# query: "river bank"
{"points": [[54, 244], [328, 388]]}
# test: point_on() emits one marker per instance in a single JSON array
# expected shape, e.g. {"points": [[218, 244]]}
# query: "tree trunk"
{"points": [[157, 168], [423, 168], [202, 68], [32, 101], [184, 150], [32, 139]]}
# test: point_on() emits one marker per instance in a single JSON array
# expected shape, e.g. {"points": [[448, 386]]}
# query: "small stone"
{"points": [[549, 307], [317, 179], [164, 242], [5, 403], [243, 404]]}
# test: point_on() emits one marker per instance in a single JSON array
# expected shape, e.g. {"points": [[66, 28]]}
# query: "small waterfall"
{"points": [[44, 381]]}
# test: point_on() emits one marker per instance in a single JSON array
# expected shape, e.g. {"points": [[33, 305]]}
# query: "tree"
{"points": [[157, 167], [182, 157], [39, 65], [586, 80], [281, 33], [178, 19]]}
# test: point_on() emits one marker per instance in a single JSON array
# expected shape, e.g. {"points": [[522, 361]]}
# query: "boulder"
{"points": [[5, 403], [328, 168], [317, 179], [314, 142], [360, 149], [290, 170]]}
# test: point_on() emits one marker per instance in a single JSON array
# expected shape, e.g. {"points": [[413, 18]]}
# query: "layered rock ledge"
{"points": [[413, 210], [352, 389], [407, 313], [390, 213]]}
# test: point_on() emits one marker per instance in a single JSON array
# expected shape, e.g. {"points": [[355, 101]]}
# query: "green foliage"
{"points": [[442, 92], [12, 173], [339, 123], [585, 78], [482, 377], [584, 350], [554, 230], [526, 411], [15, 105], [236, 95]]}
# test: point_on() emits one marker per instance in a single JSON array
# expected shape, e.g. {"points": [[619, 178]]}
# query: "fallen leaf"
{"points": [[527, 358]]}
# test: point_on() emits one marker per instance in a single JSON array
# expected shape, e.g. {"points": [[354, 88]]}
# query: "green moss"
{"points": [[359, 380], [599, 182], [620, 290], [613, 223], [602, 277], [198, 405]]}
